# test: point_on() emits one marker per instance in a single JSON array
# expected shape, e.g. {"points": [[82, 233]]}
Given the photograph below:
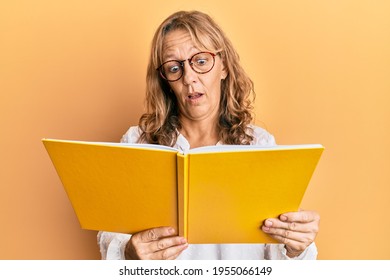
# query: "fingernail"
{"points": [[183, 240], [268, 223], [265, 228], [283, 218], [171, 230]]}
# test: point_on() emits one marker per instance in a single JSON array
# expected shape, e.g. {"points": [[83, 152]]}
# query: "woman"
{"points": [[198, 95]]}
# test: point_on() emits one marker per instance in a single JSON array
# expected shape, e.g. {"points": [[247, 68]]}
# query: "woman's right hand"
{"points": [[160, 243]]}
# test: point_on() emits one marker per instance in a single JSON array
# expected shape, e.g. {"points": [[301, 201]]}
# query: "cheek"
{"points": [[175, 89], [215, 83], [213, 79], [218, 76]]}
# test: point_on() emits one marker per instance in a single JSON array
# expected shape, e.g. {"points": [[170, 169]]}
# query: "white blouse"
{"points": [[112, 245]]}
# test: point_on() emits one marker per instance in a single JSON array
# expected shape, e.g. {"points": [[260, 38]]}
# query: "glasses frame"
{"points": [[181, 62]]}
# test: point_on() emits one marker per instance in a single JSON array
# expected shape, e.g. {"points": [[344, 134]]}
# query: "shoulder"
{"points": [[261, 136], [132, 135]]}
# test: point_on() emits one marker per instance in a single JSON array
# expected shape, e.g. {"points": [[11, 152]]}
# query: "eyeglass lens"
{"points": [[201, 63]]}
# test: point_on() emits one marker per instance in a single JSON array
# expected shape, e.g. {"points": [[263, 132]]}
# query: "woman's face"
{"points": [[198, 95]]}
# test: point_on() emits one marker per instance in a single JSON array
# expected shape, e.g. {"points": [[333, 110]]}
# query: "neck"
{"points": [[200, 133]]}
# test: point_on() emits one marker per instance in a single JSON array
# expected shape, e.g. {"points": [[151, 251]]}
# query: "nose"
{"points": [[189, 75]]}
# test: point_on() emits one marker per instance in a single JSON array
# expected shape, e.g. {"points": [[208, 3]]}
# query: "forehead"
{"points": [[177, 42]]}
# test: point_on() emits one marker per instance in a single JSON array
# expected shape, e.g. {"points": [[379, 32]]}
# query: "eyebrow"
{"points": [[171, 56]]}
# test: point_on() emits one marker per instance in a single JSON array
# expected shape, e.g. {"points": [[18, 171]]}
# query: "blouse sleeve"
{"points": [[112, 245], [279, 252], [262, 137]]}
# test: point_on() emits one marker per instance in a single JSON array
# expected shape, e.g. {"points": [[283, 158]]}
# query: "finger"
{"points": [[173, 257], [153, 234], [293, 244], [300, 217], [167, 242], [306, 238], [169, 253], [293, 226]]}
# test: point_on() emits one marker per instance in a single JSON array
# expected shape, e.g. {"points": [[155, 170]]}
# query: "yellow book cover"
{"points": [[218, 194]]}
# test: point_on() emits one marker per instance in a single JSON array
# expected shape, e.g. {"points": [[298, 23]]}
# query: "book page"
{"points": [[232, 193], [118, 144], [116, 188], [232, 148]]}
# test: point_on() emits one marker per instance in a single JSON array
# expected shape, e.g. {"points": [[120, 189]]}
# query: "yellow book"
{"points": [[218, 194]]}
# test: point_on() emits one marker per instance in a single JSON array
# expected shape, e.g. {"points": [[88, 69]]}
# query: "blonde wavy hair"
{"points": [[160, 124]]}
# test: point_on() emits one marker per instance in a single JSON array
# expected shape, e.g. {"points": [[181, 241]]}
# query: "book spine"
{"points": [[182, 185]]}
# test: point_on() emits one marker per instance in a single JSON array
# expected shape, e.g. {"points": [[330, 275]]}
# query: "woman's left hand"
{"points": [[297, 230]]}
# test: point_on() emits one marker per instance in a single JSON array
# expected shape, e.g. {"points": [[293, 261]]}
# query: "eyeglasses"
{"points": [[201, 63]]}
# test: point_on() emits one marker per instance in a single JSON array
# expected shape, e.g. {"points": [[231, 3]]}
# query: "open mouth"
{"points": [[194, 95]]}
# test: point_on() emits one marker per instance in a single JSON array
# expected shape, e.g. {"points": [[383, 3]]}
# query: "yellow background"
{"points": [[76, 70]]}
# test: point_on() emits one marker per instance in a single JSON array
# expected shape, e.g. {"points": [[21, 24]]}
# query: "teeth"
{"points": [[194, 96]]}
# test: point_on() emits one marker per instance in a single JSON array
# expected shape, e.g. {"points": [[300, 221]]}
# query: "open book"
{"points": [[218, 194]]}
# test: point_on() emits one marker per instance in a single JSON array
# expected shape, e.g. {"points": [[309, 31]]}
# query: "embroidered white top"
{"points": [[112, 245]]}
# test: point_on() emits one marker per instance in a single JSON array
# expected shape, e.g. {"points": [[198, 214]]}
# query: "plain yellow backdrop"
{"points": [[76, 70]]}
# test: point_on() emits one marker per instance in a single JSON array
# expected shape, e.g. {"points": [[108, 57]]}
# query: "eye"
{"points": [[174, 69], [201, 61]]}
